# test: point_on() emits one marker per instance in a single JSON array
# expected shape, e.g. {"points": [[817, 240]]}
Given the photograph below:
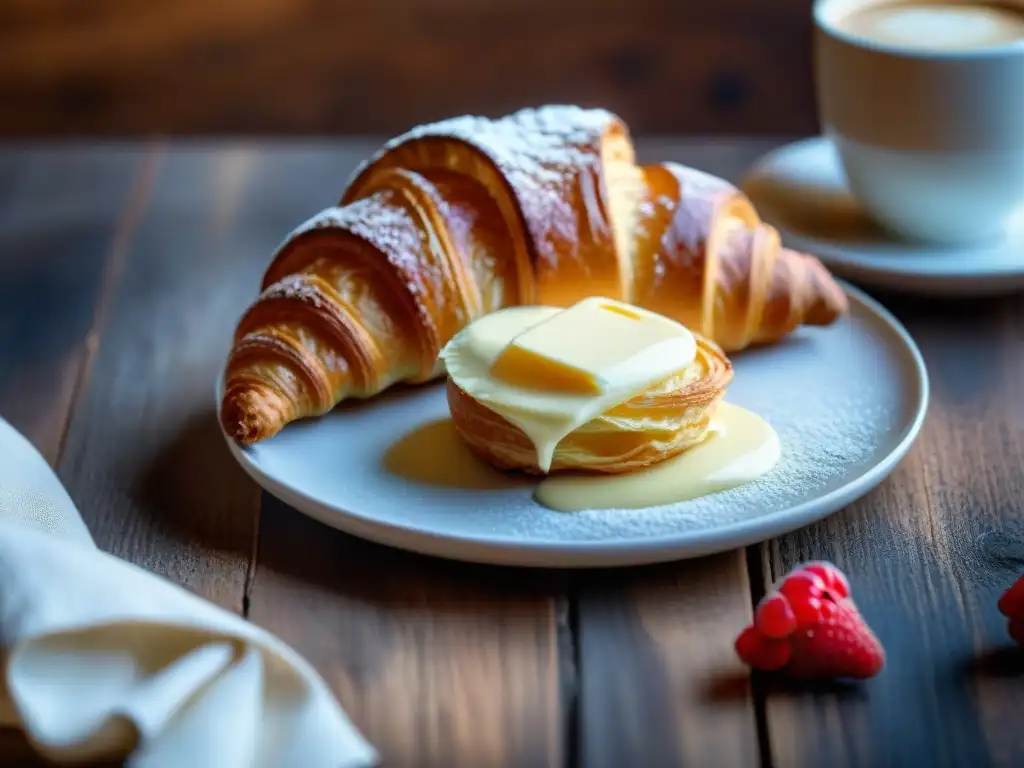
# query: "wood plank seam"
{"points": [[567, 619], [15, 749], [250, 571], [140, 193], [758, 582], [143, 429]]}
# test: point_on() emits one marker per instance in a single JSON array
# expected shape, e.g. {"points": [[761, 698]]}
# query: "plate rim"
{"points": [[914, 277], [620, 552]]}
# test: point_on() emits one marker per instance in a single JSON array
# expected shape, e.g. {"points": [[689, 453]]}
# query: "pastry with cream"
{"points": [[602, 386], [468, 216]]}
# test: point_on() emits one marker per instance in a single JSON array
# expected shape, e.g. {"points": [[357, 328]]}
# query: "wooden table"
{"points": [[122, 271]]}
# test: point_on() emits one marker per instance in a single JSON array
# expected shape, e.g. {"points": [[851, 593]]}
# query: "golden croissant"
{"points": [[465, 216]]}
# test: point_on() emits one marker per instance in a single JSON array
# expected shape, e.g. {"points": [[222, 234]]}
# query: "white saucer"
{"points": [[847, 401], [801, 190]]}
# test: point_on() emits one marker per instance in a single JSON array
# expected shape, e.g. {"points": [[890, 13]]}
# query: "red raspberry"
{"points": [[1016, 628], [774, 618], [835, 581], [842, 646], [1012, 601], [761, 652], [804, 591], [811, 628], [828, 610], [1011, 605]]}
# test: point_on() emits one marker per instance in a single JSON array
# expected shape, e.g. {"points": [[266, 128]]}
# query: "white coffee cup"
{"points": [[931, 140]]}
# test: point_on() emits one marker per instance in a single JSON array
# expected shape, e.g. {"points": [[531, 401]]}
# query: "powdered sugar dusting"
{"points": [[841, 398], [542, 152], [820, 448], [390, 229]]}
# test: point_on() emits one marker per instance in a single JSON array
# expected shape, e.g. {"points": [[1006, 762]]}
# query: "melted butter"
{"points": [[434, 454], [546, 417], [740, 448]]}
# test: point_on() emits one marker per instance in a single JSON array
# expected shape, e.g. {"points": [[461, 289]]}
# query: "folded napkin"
{"points": [[101, 658]]}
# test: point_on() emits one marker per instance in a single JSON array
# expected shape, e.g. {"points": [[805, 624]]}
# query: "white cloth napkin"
{"points": [[99, 657]]}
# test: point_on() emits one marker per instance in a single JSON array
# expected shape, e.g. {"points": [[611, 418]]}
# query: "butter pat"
{"points": [[593, 346], [559, 374]]}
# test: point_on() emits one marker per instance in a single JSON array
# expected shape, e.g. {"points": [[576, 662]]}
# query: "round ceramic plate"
{"points": [[801, 190], [847, 402]]}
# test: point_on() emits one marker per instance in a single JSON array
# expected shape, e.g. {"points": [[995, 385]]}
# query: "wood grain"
{"points": [[928, 554], [508, 708], [446, 664], [437, 663], [280, 66], [59, 212], [145, 459], [661, 684], [128, 316]]}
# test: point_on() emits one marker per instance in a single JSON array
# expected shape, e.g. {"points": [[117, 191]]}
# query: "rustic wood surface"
{"points": [[122, 270], [124, 67]]}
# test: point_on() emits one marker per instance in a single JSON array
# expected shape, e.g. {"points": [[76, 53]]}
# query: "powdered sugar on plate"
{"points": [[845, 400]]}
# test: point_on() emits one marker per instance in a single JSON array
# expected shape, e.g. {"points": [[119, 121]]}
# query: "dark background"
{"points": [[334, 67]]}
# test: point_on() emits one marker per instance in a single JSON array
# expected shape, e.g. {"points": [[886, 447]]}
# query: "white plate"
{"points": [[801, 190], [847, 402]]}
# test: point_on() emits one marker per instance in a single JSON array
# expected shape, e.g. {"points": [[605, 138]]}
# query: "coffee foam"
{"points": [[936, 25]]}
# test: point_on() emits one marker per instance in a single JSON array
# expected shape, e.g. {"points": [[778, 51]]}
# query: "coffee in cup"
{"points": [[935, 26], [925, 104]]}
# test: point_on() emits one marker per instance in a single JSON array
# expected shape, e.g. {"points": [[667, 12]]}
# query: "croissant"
{"points": [[465, 216]]}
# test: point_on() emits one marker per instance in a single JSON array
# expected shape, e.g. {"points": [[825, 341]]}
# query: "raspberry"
{"points": [[810, 627], [804, 591], [761, 652], [1012, 601], [1016, 628], [774, 618], [842, 646], [835, 581], [1011, 605]]}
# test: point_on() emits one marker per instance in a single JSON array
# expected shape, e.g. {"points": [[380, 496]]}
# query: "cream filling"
{"points": [[547, 417], [740, 447]]}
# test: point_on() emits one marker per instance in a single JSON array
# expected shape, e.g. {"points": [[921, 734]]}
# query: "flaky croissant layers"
{"points": [[462, 217]]}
